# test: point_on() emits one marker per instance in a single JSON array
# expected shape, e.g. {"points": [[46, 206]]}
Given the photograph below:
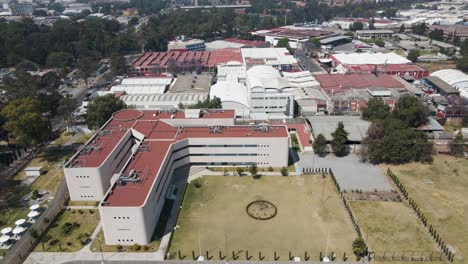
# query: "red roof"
{"points": [[254, 43], [208, 58], [343, 82], [159, 136]]}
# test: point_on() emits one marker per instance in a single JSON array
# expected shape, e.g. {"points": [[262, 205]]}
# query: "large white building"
{"points": [[182, 44], [128, 164], [455, 78]]}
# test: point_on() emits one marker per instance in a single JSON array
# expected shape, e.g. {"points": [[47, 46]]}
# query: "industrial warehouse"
{"points": [[128, 164]]}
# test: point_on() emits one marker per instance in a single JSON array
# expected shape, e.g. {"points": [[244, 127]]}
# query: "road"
{"points": [[207, 262]]}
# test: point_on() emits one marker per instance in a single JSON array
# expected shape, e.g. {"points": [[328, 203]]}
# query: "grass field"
{"points": [[391, 226], [87, 220], [62, 139], [302, 222], [440, 189], [100, 245]]}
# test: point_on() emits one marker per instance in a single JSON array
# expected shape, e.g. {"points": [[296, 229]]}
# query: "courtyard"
{"points": [[309, 213]]}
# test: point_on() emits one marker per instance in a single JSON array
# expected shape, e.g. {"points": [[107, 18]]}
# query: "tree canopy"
{"points": [[356, 26], [117, 64], [376, 109], [101, 109], [458, 145], [338, 143], [413, 55], [283, 43], [392, 136], [320, 145], [214, 103], [25, 123]]}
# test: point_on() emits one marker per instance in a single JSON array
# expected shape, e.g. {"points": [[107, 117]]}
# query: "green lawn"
{"points": [[99, 244], [214, 217], [55, 238], [9, 216], [440, 189], [62, 139]]}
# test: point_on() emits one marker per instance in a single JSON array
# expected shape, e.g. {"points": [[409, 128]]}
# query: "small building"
{"points": [[439, 86], [376, 33], [33, 171], [182, 44], [326, 125]]}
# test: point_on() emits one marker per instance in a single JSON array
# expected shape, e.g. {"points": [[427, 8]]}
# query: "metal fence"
{"points": [[21, 249], [407, 256]]}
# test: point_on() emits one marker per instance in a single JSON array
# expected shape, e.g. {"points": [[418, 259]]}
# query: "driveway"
{"points": [[349, 171]]}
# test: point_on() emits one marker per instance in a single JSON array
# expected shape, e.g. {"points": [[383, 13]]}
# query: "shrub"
{"points": [[284, 171], [34, 195], [91, 211], [270, 168], [145, 248], [359, 247], [197, 184], [136, 247], [54, 242], [80, 211], [119, 248], [69, 243], [33, 233]]}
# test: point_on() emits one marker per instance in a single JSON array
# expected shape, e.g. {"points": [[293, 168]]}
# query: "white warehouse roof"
{"points": [[370, 58], [455, 78], [142, 85]]}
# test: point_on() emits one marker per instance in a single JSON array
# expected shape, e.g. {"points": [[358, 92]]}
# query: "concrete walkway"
{"points": [[73, 139], [84, 207]]}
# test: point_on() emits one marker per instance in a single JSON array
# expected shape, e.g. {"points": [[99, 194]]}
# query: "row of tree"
{"points": [[393, 136], [338, 142], [435, 235]]}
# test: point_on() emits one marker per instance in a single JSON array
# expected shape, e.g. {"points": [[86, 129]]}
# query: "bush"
{"points": [[69, 243], [284, 171], [197, 184], [91, 211], [80, 211], [359, 247], [34, 195], [119, 248], [136, 247], [270, 168], [54, 242], [145, 248]]}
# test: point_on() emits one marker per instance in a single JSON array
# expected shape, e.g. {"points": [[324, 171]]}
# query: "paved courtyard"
{"points": [[349, 171]]}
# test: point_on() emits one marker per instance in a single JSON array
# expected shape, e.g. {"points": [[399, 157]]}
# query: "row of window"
{"points": [[121, 217], [82, 177], [125, 240], [87, 196], [267, 107], [224, 154]]}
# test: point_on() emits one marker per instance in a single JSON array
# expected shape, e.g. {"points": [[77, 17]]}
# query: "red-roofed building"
{"points": [[337, 83], [128, 164]]}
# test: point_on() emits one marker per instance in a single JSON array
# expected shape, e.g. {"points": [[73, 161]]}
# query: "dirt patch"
{"points": [[373, 196]]}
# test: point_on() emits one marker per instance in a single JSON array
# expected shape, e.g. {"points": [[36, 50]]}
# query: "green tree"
{"points": [[25, 122], [59, 59], [356, 26], [462, 63], [101, 109], [359, 247], [283, 43], [339, 139], [253, 169], [411, 110], [402, 28], [315, 41], [376, 109], [117, 64], [457, 145], [437, 34], [380, 43], [320, 145], [66, 107], [419, 29], [214, 103], [413, 55], [87, 66]]}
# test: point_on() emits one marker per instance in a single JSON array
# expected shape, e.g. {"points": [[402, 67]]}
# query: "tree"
{"points": [[25, 122], [380, 43], [133, 21], [402, 28], [66, 107], [457, 145], [437, 34], [419, 29], [117, 64], [253, 169], [283, 43], [101, 109], [359, 247], [413, 55], [316, 42], [411, 111], [59, 59], [338, 143], [371, 24], [356, 26], [214, 103], [87, 66], [320, 145], [376, 109], [462, 63]]}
